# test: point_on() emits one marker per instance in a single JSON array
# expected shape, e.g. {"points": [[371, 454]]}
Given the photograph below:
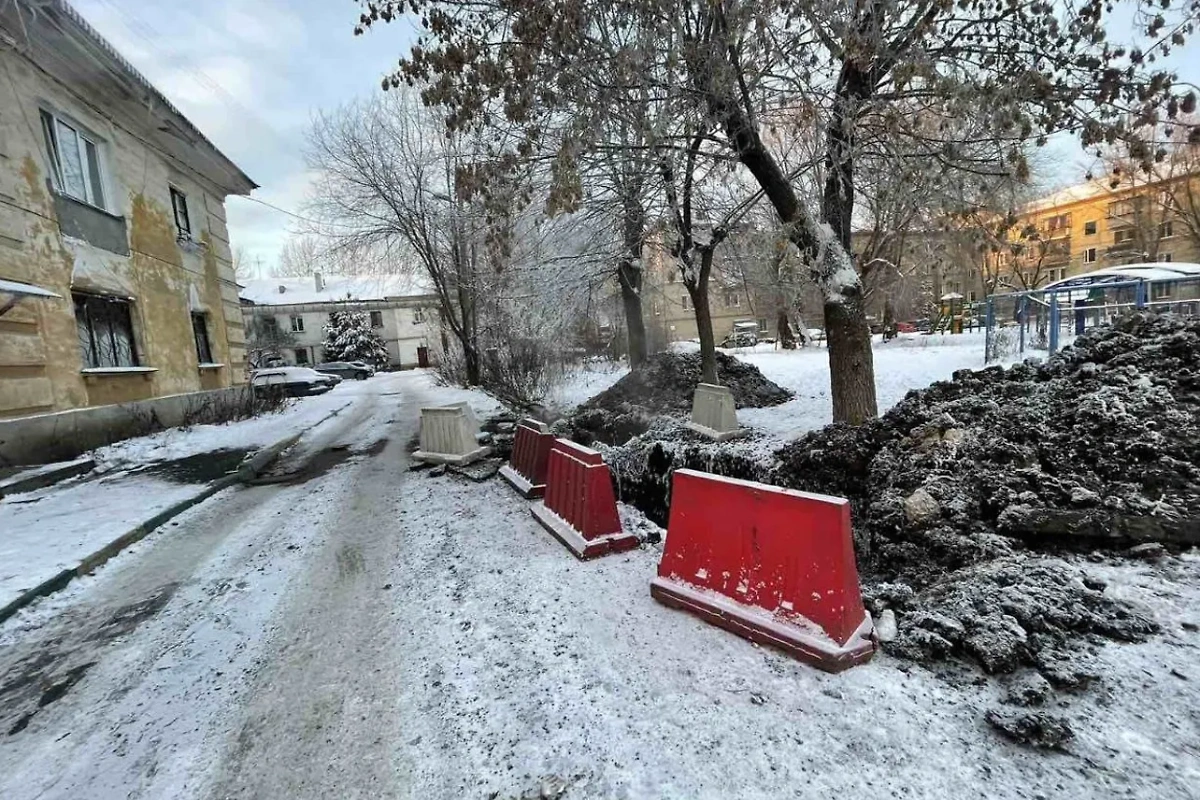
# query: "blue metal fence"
{"points": [[1044, 320]]}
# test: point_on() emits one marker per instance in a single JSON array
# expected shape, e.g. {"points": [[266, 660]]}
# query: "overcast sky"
{"points": [[250, 75]]}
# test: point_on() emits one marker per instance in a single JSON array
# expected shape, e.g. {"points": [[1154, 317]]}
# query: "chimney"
{"points": [[318, 282]]}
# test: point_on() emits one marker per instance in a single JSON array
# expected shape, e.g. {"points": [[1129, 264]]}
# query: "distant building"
{"points": [[1099, 225], [733, 296], [403, 311], [113, 205]]}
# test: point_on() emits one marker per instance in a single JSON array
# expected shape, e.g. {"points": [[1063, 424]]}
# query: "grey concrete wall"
{"points": [[46, 438]]}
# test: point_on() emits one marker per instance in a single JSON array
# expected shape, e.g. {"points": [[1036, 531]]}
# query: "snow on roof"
{"points": [[334, 289], [1069, 195], [1154, 271], [19, 289]]}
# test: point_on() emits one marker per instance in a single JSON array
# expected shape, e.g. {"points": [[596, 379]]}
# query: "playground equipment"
{"points": [[1049, 318]]}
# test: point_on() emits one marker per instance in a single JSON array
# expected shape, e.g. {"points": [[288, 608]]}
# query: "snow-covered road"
{"points": [[361, 631]]}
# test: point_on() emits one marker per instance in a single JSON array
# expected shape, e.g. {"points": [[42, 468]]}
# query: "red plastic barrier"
{"points": [[580, 507], [773, 565], [526, 468]]}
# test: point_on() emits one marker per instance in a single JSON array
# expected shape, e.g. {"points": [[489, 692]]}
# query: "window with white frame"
{"points": [[183, 223], [1165, 229], [732, 298], [1123, 236], [1160, 291], [418, 315], [1089, 228], [762, 326], [75, 160], [297, 323], [1089, 256]]}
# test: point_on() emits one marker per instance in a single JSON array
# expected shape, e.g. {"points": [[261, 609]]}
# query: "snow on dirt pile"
{"points": [[973, 498], [967, 494], [664, 385]]}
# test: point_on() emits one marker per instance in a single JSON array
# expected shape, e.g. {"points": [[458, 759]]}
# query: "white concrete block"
{"points": [[449, 436], [713, 413]]}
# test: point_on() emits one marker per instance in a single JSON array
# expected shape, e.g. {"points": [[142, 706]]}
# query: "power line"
{"points": [[309, 220]]}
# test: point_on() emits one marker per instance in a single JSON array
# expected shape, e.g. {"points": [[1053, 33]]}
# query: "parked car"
{"points": [[292, 381], [905, 327], [364, 365], [344, 369], [740, 339]]}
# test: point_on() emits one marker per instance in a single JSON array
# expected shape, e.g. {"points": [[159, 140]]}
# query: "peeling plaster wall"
{"points": [[40, 358]]}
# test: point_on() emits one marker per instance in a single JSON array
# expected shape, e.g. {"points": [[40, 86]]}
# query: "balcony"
{"points": [[1124, 250]]}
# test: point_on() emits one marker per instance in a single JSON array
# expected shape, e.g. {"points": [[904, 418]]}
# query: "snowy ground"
{"points": [[55, 528], [585, 381], [911, 361], [176, 443], [373, 632]]}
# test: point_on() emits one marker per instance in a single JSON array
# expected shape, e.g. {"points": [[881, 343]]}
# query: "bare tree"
{"points": [[897, 67], [1156, 199]]}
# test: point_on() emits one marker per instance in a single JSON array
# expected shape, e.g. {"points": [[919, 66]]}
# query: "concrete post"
{"points": [[713, 413], [449, 436]]}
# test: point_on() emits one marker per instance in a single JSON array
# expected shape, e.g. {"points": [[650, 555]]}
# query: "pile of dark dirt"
{"points": [[973, 497], [664, 385]]}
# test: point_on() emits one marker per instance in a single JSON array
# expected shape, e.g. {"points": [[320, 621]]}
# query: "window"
{"points": [[1089, 256], [1123, 236], [687, 302], [297, 324], [74, 160], [1166, 258], [762, 326], [1160, 291], [182, 223], [200, 330], [1089, 228], [376, 319], [971, 297], [732, 298], [301, 354], [657, 308], [418, 316], [105, 329], [1059, 222], [1165, 229], [670, 276], [1120, 208]]}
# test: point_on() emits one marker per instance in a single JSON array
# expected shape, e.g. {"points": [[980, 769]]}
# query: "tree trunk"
{"points": [[851, 361], [704, 326], [852, 375], [630, 279], [783, 325]]}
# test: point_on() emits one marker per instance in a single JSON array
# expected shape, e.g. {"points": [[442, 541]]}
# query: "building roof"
{"points": [[56, 38], [1150, 271], [1071, 194], [334, 289]]}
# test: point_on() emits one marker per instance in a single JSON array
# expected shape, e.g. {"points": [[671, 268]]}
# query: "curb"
{"points": [[249, 470], [41, 480]]}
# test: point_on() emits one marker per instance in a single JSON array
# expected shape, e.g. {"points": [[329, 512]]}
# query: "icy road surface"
{"points": [[360, 631]]}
